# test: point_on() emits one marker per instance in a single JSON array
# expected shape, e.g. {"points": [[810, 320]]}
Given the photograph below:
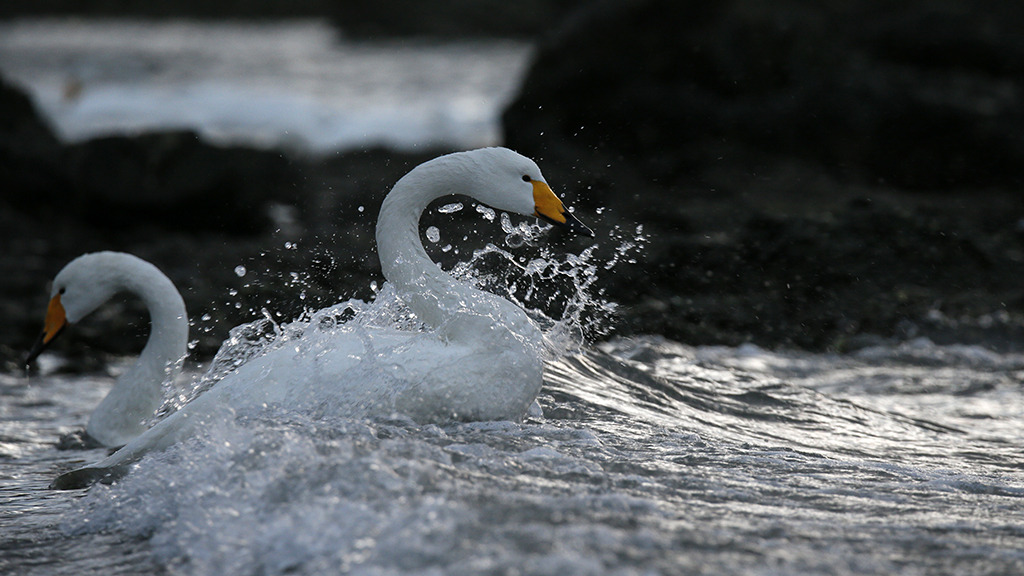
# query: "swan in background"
{"points": [[82, 286], [479, 357]]}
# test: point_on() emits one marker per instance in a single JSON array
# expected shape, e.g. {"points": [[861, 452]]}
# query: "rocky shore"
{"points": [[813, 176]]}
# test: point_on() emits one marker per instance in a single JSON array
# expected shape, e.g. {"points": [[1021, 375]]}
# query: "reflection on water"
{"points": [[651, 458], [296, 84]]}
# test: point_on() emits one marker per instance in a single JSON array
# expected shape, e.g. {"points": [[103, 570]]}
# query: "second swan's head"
{"points": [[509, 181], [80, 287]]}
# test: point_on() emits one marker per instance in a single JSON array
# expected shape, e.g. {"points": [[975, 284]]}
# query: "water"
{"points": [[652, 457], [297, 85]]}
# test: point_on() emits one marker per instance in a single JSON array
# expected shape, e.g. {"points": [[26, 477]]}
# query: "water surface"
{"points": [[651, 458]]}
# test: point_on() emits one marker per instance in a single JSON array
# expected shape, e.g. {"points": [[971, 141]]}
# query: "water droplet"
{"points": [[239, 271], [488, 214], [446, 248], [206, 318], [514, 240], [450, 208], [433, 234], [361, 208]]}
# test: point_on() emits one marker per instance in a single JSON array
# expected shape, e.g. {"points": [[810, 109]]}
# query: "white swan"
{"points": [[82, 286], [478, 360]]}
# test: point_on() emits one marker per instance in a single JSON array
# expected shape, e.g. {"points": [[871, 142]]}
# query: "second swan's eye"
{"points": [[526, 178]]}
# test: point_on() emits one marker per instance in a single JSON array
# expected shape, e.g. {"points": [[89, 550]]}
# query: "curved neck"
{"points": [[168, 338], [458, 310], [139, 392], [418, 280]]}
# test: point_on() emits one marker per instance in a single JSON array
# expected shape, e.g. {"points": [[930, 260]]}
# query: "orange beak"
{"points": [[55, 322], [549, 208]]}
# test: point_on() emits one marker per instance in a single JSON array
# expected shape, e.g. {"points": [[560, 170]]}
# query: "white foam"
{"points": [[292, 84]]}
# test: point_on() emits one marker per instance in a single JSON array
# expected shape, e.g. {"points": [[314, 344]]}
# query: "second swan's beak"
{"points": [[549, 208], [54, 324]]}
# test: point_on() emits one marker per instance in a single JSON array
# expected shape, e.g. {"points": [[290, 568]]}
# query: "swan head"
{"points": [[506, 180], [82, 286]]}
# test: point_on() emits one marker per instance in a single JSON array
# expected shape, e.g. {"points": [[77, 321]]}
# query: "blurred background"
{"points": [[820, 175]]}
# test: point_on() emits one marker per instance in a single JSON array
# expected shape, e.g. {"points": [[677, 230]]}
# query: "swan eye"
{"points": [[526, 178], [62, 290]]}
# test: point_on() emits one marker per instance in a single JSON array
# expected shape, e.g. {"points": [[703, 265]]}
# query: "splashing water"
{"points": [[487, 212], [555, 289], [450, 208]]}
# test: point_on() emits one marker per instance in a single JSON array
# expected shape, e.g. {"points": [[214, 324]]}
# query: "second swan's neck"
{"points": [[139, 392]]}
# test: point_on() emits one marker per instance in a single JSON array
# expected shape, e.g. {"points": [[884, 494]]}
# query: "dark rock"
{"points": [[457, 18], [916, 94], [29, 151], [176, 181], [168, 179], [808, 173]]}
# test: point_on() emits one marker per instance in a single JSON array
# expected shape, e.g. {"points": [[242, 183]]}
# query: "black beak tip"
{"points": [[571, 224], [33, 354], [576, 227], [585, 230], [38, 347]]}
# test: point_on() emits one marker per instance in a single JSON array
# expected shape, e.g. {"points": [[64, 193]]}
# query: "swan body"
{"points": [[478, 359], [82, 286]]}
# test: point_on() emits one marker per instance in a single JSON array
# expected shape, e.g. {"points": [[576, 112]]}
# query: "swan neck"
{"points": [[168, 338], [139, 391], [438, 300], [418, 280]]}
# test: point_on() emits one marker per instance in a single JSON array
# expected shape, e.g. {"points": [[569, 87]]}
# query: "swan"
{"points": [[81, 287], [478, 358]]}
